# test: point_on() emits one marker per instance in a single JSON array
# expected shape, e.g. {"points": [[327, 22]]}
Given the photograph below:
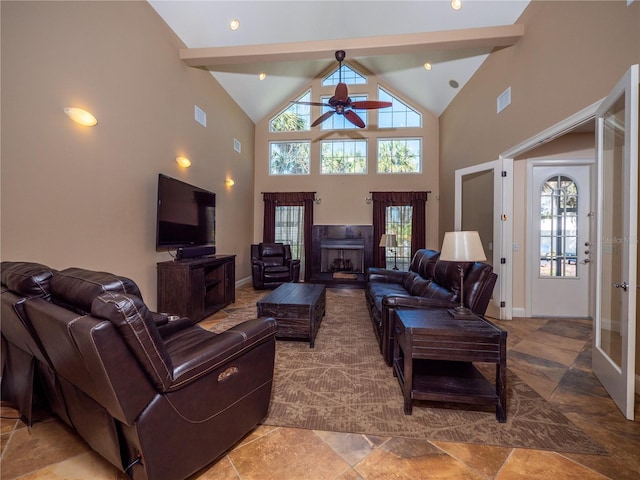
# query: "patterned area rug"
{"points": [[344, 385]]}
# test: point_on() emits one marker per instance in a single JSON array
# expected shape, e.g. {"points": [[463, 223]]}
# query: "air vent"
{"points": [[200, 116], [237, 146], [504, 100]]}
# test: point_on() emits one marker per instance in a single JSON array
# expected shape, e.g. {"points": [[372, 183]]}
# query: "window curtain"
{"points": [[416, 200], [273, 199]]}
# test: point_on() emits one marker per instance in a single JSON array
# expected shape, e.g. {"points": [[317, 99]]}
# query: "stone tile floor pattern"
{"points": [[551, 355]]}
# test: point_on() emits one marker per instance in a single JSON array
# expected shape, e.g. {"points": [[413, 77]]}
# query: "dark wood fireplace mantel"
{"points": [[341, 254]]}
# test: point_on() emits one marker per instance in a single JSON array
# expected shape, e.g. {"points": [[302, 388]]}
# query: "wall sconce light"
{"points": [[81, 116], [229, 182], [368, 200], [317, 200], [183, 161]]}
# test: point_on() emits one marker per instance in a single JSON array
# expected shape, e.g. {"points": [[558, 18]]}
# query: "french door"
{"points": [[289, 229], [614, 329]]}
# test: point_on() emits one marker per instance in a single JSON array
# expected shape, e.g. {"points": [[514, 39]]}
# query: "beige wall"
{"points": [[571, 56], [343, 196], [77, 196]]}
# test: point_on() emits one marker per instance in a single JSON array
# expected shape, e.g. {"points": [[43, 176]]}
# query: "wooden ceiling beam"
{"points": [[469, 38]]}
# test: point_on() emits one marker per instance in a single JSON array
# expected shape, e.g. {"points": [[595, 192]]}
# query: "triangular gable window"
{"points": [[294, 118], [349, 76], [399, 115]]}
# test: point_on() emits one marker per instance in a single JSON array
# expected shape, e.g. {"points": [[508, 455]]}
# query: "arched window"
{"points": [[558, 227]]}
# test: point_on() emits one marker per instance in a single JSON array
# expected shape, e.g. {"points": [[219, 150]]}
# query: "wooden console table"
{"points": [[196, 287], [433, 356]]}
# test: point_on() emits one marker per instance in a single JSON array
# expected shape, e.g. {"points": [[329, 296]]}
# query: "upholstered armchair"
{"points": [[272, 265]]}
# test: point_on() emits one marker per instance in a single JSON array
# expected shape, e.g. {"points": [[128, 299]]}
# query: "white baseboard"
{"points": [[243, 281], [517, 312]]}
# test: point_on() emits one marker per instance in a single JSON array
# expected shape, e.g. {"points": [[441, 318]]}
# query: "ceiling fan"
{"points": [[341, 102]]}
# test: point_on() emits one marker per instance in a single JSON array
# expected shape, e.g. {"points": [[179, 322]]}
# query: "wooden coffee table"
{"points": [[433, 356], [298, 309]]}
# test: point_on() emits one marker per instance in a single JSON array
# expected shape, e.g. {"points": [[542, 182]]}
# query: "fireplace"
{"points": [[341, 254]]}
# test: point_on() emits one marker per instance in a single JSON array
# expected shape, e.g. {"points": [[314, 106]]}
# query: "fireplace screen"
{"points": [[345, 255], [341, 254]]}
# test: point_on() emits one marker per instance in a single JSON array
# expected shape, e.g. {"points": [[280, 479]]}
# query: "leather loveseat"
{"points": [[158, 398], [429, 283]]}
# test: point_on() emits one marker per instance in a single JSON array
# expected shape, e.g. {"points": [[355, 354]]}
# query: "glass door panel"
{"points": [[612, 300], [614, 338]]}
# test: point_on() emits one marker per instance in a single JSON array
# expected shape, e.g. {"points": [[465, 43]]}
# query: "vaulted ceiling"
{"points": [[294, 41]]}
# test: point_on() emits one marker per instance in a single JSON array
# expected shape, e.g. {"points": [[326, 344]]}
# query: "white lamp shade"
{"points": [[462, 246], [388, 240]]}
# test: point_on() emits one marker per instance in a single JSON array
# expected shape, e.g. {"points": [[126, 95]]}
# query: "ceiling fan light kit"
{"points": [[341, 103]]}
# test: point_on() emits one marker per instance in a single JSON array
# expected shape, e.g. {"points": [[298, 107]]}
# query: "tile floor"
{"points": [[553, 356]]}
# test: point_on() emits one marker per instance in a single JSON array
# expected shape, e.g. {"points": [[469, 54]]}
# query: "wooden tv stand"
{"points": [[196, 287]]}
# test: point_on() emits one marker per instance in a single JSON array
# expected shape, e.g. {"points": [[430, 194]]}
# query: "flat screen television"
{"points": [[186, 215]]}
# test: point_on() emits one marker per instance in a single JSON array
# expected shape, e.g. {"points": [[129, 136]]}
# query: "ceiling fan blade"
{"points": [[354, 118], [342, 94], [316, 104], [323, 117], [369, 104]]}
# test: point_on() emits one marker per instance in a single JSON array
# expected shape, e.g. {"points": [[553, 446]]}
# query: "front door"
{"points": [[559, 257], [614, 330]]}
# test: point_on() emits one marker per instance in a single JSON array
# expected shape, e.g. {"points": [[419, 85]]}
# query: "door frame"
{"points": [[507, 157], [502, 227], [531, 267], [561, 128]]}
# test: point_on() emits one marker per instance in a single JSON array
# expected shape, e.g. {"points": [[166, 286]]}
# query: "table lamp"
{"points": [[462, 247], [388, 240]]}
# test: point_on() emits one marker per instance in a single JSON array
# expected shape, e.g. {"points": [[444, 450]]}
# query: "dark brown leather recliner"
{"points": [[156, 405], [28, 379], [272, 265]]}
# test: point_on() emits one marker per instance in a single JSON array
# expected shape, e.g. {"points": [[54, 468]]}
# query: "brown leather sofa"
{"points": [[158, 398], [429, 283], [272, 265]]}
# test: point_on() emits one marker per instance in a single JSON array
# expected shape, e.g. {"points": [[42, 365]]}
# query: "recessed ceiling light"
{"points": [[427, 66], [456, 4], [453, 84], [234, 24], [262, 76]]}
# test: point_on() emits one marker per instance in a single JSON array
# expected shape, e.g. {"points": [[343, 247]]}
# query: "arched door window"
{"points": [[558, 227]]}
